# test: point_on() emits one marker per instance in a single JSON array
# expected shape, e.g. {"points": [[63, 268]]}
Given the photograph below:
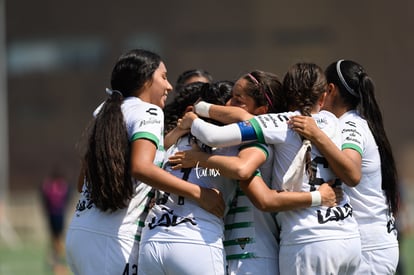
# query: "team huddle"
{"points": [[260, 175]]}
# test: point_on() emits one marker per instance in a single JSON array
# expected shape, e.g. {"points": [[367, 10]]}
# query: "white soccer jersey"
{"points": [[143, 120], [251, 233], [314, 223], [368, 200], [177, 219]]}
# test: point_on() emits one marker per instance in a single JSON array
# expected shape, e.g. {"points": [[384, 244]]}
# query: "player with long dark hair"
{"points": [[121, 166], [366, 163]]}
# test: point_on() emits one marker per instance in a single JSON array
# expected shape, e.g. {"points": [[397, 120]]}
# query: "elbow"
{"points": [[353, 181], [243, 173], [243, 170], [139, 172], [265, 207], [262, 203]]}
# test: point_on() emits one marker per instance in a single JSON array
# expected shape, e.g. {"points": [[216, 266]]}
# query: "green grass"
{"points": [[407, 254], [28, 258], [31, 258], [25, 259]]}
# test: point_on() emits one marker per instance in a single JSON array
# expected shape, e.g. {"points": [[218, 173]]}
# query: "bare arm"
{"points": [[239, 167], [269, 200], [345, 164], [224, 114], [142, 168], [173, 136]]}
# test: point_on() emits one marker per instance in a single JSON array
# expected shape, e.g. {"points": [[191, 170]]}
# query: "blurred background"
{"points": [[56, 58]]}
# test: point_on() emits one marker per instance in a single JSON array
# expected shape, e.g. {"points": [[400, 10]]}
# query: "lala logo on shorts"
{"points": [[168, 218]]}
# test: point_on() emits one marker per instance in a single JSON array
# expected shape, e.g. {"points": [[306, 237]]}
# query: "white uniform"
{"points": [[107, 242], [303, 232], [251, 235], [376, 223], [311, 227], [179, 235]]}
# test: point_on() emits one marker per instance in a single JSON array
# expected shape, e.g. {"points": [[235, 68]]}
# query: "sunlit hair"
{"points": [[265, 89], [303, 86], [363, 100], [107, 157]]}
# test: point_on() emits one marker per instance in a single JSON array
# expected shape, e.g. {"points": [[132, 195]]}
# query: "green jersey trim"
{"points": [[258, 145], [242, 209], [239, 225], [247, 255], [238, 241], [352, 146], [148, 136], [258, 130]]}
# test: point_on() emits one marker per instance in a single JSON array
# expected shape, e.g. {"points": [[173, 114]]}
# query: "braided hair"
{"points": [[303, 85]]}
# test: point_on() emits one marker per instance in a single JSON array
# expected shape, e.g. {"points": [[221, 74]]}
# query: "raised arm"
{"points": [[173, 136], [346, 164], [224, 114], [210, 134]]}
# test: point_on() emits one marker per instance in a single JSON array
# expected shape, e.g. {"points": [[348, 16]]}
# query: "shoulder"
{"points": [[133, 104], [328, 114], [327, 122], [139, 113], [352, 119]]}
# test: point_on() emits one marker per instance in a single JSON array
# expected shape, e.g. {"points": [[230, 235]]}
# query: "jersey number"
{"points": [[314, 166], [134, 270], [164, 199]]}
